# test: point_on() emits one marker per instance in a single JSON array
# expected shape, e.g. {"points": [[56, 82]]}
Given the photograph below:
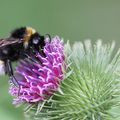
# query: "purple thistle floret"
{"points": [[41, 78]]}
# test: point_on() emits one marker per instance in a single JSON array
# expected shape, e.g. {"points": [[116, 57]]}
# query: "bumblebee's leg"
{"points": [[9, 71]]}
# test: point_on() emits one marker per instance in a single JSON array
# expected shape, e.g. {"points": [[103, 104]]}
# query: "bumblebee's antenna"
{"points": [[48, 36]]}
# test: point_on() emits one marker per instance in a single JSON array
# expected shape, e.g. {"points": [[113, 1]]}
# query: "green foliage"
{"points": [[91, 88]]}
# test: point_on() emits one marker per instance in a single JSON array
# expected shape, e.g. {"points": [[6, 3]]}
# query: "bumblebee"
{"points": [[21, 43]]}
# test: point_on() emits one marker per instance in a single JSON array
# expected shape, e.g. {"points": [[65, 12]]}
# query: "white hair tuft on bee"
{"points": [[2, 68]]}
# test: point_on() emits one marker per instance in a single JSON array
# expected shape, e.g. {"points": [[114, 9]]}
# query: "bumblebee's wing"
{"points": [[4, 43], [9, 41]]}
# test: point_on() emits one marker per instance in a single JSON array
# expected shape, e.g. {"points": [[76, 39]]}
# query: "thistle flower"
{"points": [[39, 77], [91, 88]]}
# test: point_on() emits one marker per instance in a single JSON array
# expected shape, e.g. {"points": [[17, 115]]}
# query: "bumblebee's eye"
{"points": [[35, 41]]}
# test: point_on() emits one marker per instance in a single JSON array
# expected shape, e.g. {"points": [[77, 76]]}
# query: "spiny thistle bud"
{"points": [[90, 89]]}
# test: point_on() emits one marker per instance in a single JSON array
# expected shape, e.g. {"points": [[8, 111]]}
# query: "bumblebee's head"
{"points": [[29, 36]]}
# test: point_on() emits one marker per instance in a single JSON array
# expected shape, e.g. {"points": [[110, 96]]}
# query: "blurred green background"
{"points": [[70, 19]]}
